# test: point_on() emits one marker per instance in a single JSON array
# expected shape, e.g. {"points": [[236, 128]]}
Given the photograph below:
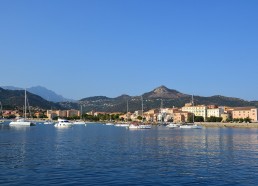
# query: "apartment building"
{"points": [[181, 116], [245, 112], [198, 110], [62, 113], [216, 112]]}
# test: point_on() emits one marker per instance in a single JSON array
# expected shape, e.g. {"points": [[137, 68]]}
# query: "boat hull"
{"points": [[21, 123]]}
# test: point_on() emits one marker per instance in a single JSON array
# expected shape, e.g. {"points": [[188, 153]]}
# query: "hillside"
{"points": [[42, 92], [152, 99], [15, 98]]}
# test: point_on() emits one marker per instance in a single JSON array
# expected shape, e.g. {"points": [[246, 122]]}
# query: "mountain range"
{"points": [[153, 99], [43, 92]]}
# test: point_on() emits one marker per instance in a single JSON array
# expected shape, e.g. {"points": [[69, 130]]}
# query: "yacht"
{"points": [[22, 121], [63, 123]]}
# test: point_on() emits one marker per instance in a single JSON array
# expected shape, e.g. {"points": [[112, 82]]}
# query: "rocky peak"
{"points": [[160, 90]]}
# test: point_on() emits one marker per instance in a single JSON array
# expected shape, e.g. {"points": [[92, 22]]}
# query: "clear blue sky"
{"points": [[112, 47]]}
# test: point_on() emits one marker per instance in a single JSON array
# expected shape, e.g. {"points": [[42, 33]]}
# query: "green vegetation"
{"points": [[196, 119], [214, 119]]}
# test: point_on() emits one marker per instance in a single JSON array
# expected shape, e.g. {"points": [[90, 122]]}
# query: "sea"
{"points": [[97, 154]]}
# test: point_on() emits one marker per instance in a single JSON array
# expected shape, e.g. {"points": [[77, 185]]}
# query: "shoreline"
{"points": [[230, 125]]}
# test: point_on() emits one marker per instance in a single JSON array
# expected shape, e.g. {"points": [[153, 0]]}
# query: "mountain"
{"points": [[152, 99], [15, 98], [42, 92], [164, 93], [169, 98]]}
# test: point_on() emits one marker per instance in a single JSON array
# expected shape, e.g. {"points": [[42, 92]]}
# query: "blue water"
{"points": [[106, 155]]}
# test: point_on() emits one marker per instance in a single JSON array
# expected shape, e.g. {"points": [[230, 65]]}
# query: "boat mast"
{"points": [[25, 104], [142, 108], [193, 107], [127, 110], [81, 112]]}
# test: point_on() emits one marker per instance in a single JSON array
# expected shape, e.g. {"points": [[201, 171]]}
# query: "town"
{"points": [[201, 113]]}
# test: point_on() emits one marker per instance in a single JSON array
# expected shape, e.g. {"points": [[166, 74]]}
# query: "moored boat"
{"points": [[173, 125], [63, 123], [22, 121], [190, 126], [139, 126]]}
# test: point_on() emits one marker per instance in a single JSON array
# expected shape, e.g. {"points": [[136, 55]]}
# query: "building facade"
{"points": [[199, 110], [245, 112], [216, 112]]}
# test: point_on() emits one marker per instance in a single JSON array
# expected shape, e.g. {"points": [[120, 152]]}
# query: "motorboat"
{"points": [[63, 123], [139, 126], [79, 122], [109, 123], [173, 125], [48, 123], [190, 126], [122, 125]]}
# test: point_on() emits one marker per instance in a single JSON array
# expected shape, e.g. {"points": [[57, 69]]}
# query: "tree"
{"points": [[139, 118], [247, 120]]}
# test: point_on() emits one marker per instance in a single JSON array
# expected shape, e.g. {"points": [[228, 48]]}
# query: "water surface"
{"points": [[106, 155]]}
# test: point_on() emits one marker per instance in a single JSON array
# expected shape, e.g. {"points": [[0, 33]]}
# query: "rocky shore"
{"points": [[233, 125]]}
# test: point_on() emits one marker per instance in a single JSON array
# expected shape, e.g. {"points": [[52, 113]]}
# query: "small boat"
{"points": [[173, 125], [139, 126], [79, 122], [109, 123], [48, 123], [190, 126], [63, 123], [122, 125]]}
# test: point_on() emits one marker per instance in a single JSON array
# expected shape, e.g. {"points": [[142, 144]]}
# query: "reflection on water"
{"points": [[99, 154]]}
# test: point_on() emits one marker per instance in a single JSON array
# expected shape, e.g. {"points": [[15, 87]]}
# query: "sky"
{"points": [[83, 48]]}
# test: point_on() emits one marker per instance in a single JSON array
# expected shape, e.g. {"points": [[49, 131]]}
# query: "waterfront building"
{"points": [[216, 112], [62, 113], [245, 112], [71, 113], [198, 110], [181, 116]]}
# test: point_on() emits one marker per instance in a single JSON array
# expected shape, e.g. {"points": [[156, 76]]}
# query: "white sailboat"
{"points": [[80, 122], [23, 121], [141, 125], [191, 125]]}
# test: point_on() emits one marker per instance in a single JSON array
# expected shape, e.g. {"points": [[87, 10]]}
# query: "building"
{"points": [[245, 112], [216, 112], [182, 116], [62, 113], [198, 110]]}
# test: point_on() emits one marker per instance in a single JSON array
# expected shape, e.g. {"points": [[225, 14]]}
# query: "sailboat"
{"points": [[124, 124], [141, 125], [191, 126], [23, 121], [80, 122]]}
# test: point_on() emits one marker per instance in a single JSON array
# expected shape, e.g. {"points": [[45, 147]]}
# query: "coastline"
{"points": [[231, 125]]}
